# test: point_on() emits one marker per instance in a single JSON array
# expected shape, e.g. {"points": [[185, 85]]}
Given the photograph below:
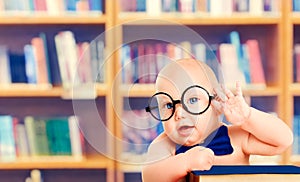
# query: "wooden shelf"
{"points": [[147, 90], [294, 89], [58, 162], [84, 18], [27, 90], [197, 19], [295, 18]]}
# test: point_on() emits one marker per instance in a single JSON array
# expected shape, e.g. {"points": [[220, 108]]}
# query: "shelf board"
{"points": [[295, 18], [58, 162], [43, 18], [197, 19], [28, 90], [147, 90], [294, 89]]}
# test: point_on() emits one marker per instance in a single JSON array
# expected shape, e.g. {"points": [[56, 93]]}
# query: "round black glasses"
{"points": [[195, 100]]}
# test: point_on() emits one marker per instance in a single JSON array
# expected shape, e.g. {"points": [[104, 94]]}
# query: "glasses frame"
{"points": [[174, 102]]}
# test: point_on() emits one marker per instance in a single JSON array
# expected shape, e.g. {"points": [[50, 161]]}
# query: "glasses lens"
{"points": [[196, 100], [161, 106]]}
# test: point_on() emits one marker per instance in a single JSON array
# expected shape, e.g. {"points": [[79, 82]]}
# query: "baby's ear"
{"points": [[217, 107]]}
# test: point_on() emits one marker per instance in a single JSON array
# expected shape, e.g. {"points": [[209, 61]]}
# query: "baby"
{"points": [[189, 102]]}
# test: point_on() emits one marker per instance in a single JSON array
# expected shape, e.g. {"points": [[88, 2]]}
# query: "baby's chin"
{"points": [[187, 141]]}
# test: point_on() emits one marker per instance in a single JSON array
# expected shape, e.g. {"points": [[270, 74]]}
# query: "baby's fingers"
{"points": [[218, 106]]}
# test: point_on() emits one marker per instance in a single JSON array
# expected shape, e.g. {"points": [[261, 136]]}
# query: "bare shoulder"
{"points": [[161, 147]]}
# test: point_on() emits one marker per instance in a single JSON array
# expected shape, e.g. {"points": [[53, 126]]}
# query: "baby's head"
{"points": [[191, 82]]}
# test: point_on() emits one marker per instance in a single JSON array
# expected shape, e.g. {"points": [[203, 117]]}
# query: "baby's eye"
{"points": [[193, 100], [168, 105]]}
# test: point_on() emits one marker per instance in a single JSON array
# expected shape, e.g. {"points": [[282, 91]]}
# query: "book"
{"points": [[37, 137], [58, 136], [199, 51], [30, 64], [67, 58], [256, 66], [95, 6], [22, 141], [256, 7], [17, 67], [229, 65], [41, 64], [7, 140], [242, 54], [5, 75], [201, 6], [84, 69], [297, 63], [153, 7], [76, 137]]}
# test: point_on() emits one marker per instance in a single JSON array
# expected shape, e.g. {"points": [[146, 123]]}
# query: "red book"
{"points": [[41, 63], [256, 67]]}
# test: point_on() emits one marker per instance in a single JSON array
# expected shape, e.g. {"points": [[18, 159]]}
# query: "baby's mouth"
{"points": [[185, 130]]}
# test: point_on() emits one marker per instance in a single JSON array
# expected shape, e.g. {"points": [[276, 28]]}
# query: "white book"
{"points": [[216, 7], [200, 51], [227, 7], [75, 138], [256, 7], [52, 7], [5, 75], [186, 49], [62, 63], [153, 7], [22, 140]]}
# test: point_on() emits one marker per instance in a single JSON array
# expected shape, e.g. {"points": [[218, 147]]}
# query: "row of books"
{"points": [[51, 7], [139, 130], [214, 7], [32, 137], [231, 61], [296, 131], [78, 62]]}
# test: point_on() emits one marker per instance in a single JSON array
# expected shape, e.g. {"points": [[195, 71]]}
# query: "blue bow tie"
{"points": [[218, 141]]}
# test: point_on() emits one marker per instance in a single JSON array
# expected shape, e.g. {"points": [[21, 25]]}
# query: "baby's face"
{"points": [[183, 127]]}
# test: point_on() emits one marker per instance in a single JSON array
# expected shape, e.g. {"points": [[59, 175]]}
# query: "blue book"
{"points": [[70, 5], [295, 146], [234, 38], [296, 5], [140, 5], [7, 140], [30, 64], [17, 68], [96, 5]]}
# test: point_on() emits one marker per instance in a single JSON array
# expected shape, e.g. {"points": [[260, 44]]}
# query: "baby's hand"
{"points": [[234, 107], [199, 158]]}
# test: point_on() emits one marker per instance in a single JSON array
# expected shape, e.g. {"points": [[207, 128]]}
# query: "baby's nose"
{"points": [[179, 112]]}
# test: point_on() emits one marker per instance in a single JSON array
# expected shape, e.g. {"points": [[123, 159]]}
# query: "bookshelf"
{"points": [[276, 33], [268, 28], [291, 84], [21, 100]]}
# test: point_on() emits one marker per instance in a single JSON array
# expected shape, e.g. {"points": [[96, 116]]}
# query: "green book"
{"points": [[58, 136], [37, 137]]}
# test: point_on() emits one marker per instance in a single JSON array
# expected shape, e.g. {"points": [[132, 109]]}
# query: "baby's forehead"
{"points": [[175, 78]]}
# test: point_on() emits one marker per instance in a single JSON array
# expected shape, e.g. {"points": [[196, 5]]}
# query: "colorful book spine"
{"points": [[5, 75], [7, 140], [255, 62]]}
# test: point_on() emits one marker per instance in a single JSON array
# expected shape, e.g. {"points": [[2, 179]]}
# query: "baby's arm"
{"points": [[268, 135], [164, 166]]}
